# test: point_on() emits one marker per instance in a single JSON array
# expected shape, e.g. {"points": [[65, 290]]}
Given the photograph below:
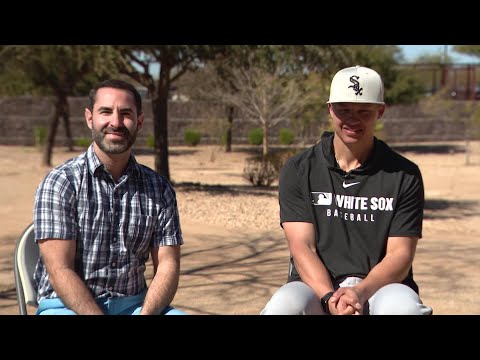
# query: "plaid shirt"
{"points": [[115, 225]]}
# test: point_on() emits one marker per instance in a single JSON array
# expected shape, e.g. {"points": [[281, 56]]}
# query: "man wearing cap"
{"points": [[352, 211]]}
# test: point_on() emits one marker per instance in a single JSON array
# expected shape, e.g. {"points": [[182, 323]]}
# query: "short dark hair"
{"points": [[116, 84]]}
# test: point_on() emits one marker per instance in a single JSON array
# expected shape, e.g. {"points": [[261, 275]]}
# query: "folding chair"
{"points": [[25, 260], [290, 266]]}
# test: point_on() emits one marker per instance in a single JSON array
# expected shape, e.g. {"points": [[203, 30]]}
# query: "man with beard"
{"points": [[97, 218]]}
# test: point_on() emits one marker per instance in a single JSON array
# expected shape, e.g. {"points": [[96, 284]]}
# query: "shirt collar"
{"points": [[329, 154], [95, 166], [327, 148]]}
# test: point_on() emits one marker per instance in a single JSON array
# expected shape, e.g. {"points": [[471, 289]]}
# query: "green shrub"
{"points": [[286, 136], [255, 136], [40, 134], [82, 142], [192, 137], [223, 138], [150, 141]]}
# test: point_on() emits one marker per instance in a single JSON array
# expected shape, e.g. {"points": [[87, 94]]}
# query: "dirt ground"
{"points": [[235, 255]]}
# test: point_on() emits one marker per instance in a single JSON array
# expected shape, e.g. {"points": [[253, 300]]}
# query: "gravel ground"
{"points": [[232, 208], [235, 253]]}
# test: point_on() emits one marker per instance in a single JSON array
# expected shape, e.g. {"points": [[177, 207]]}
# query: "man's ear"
{"points": [[330, 108], [88, 118], [381, 111], [140, 119]]}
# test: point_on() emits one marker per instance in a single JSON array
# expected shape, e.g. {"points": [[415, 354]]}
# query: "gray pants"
{"points": [[297, 298]]}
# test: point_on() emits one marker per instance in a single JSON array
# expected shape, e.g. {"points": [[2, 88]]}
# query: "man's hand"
{"points": [[345, 301]]}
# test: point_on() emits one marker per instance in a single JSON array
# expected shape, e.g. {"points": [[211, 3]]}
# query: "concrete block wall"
{"points": [[20, 115]]}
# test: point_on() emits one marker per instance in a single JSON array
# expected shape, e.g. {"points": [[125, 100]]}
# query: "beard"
{"points": [[117, 146]]}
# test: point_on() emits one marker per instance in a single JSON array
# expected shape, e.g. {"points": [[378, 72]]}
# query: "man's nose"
{"points": [[116, 120], [353, 117]]}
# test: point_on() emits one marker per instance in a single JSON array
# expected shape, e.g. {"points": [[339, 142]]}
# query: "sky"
{"points": [[411, 52]]}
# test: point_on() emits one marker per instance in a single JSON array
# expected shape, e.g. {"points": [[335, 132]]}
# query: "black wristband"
{"points": [[324, 302]]}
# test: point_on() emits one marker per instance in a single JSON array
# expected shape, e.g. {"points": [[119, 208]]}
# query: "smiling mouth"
{"points": [[352, 131], [119, 131], [115, 135]]}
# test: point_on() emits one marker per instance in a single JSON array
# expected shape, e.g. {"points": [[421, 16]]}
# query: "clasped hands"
{"points": [[345, 301]]}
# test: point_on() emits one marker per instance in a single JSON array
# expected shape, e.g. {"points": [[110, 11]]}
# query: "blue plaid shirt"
{"points": [[114, 224]]}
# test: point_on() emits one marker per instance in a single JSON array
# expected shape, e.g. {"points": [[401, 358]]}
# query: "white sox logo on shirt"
{"points": [[344, 202]]}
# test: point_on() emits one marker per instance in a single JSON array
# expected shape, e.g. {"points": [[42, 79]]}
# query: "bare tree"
{"points": [[217, 78], [264, 99]]}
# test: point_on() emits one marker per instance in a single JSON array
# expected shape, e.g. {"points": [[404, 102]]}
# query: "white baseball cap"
{"points": [[356, 84]]}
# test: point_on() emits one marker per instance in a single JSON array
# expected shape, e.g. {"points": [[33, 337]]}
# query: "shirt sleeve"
{"points": [[54, 208], [168, 231], [408, 217], [293, 204]]}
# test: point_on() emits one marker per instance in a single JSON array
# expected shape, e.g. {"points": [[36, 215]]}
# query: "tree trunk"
{"points": [[52, 130], [160, 123], [66, 125], [265, 140], [228, 132], [467, 142], [467, 151], [303, 131]]}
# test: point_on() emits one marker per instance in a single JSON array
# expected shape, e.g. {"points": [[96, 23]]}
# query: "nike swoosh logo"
{"points": [[348, 185]]}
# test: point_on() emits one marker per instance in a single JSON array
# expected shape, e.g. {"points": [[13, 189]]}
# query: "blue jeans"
{"points": [[125, 305]]}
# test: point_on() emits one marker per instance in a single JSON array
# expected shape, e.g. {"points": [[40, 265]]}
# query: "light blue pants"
{"points": [[125, 305], [297, 298]]}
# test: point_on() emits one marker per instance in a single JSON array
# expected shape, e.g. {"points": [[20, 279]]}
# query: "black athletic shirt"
{"points": [[353, 213]]}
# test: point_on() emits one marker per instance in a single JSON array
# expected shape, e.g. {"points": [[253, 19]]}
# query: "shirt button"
{"points": [[114, 264], [114, 239]]}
